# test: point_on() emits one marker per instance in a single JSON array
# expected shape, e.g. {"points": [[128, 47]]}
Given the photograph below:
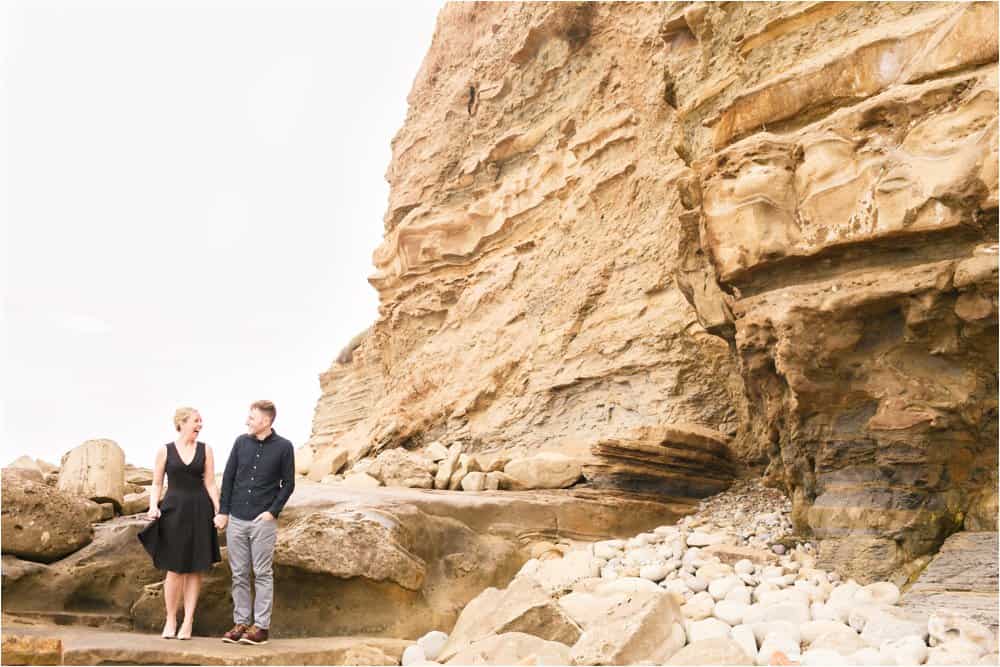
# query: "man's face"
{"points": [[257, 422]]}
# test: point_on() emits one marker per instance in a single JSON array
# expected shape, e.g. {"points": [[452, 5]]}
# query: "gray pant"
{"points": [[252, 545]]}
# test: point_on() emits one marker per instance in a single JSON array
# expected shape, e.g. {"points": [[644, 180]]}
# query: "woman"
{"points": [[182, 538]]}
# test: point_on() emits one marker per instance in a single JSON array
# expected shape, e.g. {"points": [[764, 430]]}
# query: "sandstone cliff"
{"points": [[773, 221]]}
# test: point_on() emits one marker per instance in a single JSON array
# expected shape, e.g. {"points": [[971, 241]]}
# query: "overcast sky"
{"points": [[193, 197]]}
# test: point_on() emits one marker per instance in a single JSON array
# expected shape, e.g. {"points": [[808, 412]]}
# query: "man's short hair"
{"points": [[265, 407]]}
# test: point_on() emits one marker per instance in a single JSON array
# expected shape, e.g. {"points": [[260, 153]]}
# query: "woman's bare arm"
{"points": [[155, 491], [210, 485]]}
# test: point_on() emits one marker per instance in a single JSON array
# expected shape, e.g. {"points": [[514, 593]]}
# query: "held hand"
{"points": [[264, 516], [220, 521], [153, 513]]}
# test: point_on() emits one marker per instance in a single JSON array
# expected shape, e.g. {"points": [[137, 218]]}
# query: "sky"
{"points": [[193, 196]]}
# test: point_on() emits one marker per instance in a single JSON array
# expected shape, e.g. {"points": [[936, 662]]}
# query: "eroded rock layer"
{"points": [[776, 221]]}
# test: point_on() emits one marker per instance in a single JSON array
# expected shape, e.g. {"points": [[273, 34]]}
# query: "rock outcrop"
{"points": [[41, 523], [95, 470], [776, 222]]}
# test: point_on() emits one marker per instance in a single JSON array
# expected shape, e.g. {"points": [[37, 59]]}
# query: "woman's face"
{"points": [[191, 425]]}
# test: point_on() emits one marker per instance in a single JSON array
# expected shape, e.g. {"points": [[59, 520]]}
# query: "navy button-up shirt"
{"points": [[259, 477]]}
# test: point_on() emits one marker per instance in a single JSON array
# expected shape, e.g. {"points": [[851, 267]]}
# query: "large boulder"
{"points": [[95, 470], [107, 575], [545, 470], [350, 544], [327, 461], [41, 523], [512, 648], [397, 467], [524, 606], [645, 626]]}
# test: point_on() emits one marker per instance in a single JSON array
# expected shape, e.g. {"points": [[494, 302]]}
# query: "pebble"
{"points": [[654, 572], [910, 650], [743, 635], [698, 607], [776, 642], [823, 656], [710, 628], [744, 566], [739, 594], [729, 612], [413, 655], [432, 643], [778, 549]]}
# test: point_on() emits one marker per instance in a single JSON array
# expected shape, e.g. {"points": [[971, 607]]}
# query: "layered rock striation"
{"points": [[774, 221]]}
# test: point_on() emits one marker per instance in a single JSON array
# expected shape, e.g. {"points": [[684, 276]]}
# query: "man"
{"points": [[259, 478]]}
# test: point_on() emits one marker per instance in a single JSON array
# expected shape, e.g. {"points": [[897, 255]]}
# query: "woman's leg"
{"points": [[171, 599], [192, 588]]}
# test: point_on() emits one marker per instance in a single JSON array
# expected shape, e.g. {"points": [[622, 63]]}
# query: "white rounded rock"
{"points": [[776, 642], [699, 606], [641, 556], [813, 630], [762, 631], [696, 584], [654, 572], [909, 650], [729, 612], [676, 586], [823, 656], [413, 655], [744, 566], [882, 592], [606, 550], [709, 628], [743, 635], [866, 656], [718, 588], [432, 643], [739, 594], [701, 539]]}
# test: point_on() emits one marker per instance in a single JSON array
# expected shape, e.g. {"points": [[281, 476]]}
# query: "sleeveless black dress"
{"points": [[183, 539]]}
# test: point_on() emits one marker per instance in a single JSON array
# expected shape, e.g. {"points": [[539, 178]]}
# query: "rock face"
{"points": [[41, 523], [961, 578], [678, 460], [95, 470], [845, 245], [774, 221]]}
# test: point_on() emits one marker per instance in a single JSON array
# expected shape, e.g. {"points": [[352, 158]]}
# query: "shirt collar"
{"points": [[270, 437]]}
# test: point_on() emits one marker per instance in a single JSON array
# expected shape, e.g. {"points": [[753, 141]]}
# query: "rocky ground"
{"points": [[726, 585]]}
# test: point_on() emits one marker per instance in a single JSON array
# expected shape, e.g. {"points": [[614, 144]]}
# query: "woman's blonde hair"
{"points": [[181, 415]]}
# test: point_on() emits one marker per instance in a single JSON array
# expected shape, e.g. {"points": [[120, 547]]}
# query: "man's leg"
{"points": [[265, 534], [238, 544]]}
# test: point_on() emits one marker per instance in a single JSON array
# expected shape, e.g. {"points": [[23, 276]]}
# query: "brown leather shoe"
{"points": [[255, 636], [236, 634]]}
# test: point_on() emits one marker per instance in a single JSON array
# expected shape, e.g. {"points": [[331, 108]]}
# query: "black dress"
{"points": [[183, 539]]}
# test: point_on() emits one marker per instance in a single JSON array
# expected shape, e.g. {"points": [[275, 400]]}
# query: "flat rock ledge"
{"points": [[61, 645]]}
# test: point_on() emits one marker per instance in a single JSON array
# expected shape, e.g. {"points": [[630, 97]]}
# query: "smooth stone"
{"points": [[761, 631], [730, 612], [883, 592], [744, 566], [627, 585], [432, 643], [778, 549], [696, 584], [718, 588], [709, 628], [786, 611], [845, 642], [698, 607], [739, 594], [654, 572], [822, 656], [413, 655], [909, 650], [676, 586], [878, 625], [743, 635], [813, 630], [777, 642], [606, 550], [866, 656]]}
